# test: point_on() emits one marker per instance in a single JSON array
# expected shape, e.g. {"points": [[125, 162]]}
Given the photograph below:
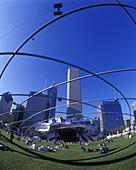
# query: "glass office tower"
{"points": [[35, 105], [5, 105], [110, 116], [52, 94]]}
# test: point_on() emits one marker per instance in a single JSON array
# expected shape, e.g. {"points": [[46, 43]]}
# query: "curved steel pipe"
{"points": [[64, 116], [128, 98], [56, 19], [60, 61], [126, 12], [76, 102]]}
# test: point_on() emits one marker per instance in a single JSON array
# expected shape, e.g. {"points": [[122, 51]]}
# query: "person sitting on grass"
{"points": [[94, 150], [104, 149], [100, 144], [11, 136], [62, 146], [33, 146], [27, 142], [51, 149], [67, 147], [43, 148], [84, 150]]}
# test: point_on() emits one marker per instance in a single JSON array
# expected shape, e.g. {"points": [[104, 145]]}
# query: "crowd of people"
{"points": [[104, 148], [34, 143]]}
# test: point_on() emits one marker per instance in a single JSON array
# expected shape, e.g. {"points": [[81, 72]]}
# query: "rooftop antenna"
{"points": [[114, 92], [45, 85], [53, 83]]}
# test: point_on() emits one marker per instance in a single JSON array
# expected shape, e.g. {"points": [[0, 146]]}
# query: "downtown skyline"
{"points": [[99, 39]]}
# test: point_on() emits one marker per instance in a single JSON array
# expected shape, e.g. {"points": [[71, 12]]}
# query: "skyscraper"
{"points": [[134, 111], [5, 105], [110, 116], [73, 94], [52, 94], [34, 105], [18, 114]]}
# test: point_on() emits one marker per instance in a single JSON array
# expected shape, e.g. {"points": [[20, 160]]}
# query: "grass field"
{"points": [[121, 155]]}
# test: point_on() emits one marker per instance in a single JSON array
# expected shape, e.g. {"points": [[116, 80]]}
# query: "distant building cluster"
{"points": [[34, 105], [39, 113]]}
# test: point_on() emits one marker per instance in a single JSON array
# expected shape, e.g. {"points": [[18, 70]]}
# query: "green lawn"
{"points": [[122, 155]]}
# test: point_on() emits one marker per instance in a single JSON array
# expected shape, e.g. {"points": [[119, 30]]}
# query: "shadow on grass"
{"points": [[2, 138], [75, 162], [107, 154]]}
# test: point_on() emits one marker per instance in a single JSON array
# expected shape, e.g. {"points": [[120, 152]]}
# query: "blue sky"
{"points": [[98, 39]]}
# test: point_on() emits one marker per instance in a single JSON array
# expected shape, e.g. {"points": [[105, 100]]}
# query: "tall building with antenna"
{"points": [[74, 111]]}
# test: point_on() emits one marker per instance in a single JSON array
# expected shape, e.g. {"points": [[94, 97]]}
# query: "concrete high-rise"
{"points": [[5, 105], [110, 116], [134, 111], [73, 94]]}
